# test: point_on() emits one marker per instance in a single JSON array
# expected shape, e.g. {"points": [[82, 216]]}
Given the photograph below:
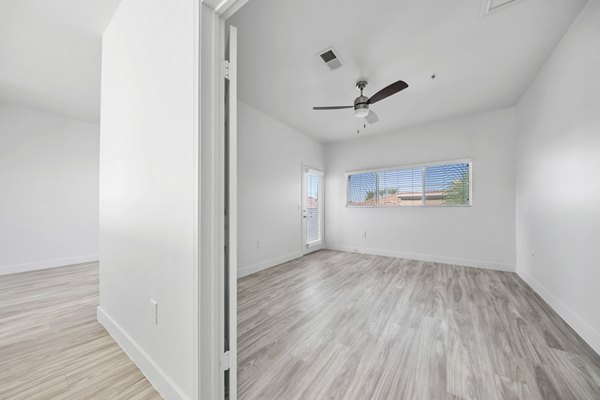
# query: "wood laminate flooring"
{"points": [[52, 347], [335, 325]]}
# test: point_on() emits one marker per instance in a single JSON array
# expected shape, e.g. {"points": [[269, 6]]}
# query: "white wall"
{"points": [[148, 186], [270, 158], [482, 235], [558, 178], [48, 190]]}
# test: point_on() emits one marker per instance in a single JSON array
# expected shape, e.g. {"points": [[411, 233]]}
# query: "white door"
{"points": [[230, 273], [312, 209]]}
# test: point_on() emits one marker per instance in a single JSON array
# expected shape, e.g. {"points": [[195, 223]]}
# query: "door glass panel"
{"points": [[313, 214]]}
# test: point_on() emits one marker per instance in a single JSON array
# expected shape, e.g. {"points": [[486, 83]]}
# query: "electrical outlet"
{"points": [[364, 234], [154, 311], [258, 244]]}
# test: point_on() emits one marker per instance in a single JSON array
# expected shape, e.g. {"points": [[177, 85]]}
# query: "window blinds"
{"points": [[362, 190], [400, 187], [312, 213], [429, 185], [447, 185]]}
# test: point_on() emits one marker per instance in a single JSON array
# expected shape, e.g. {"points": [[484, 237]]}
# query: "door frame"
{"points": [[209, 293], [305, 248], [211, 221], [230, 203]]}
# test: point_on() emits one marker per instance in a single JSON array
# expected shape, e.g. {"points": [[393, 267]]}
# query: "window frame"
{"points": [[422, 166]]}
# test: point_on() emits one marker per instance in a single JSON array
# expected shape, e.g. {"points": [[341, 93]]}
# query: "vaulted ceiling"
{"points": [[481, 62], [50, 54]]}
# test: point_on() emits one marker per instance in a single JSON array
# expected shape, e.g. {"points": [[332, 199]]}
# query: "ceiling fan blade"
{"points": [[332, 108], [372, 117], [388, 91]]}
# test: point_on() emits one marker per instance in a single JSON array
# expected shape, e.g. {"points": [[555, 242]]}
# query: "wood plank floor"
{"points": [[52, 347], [335, 325]]}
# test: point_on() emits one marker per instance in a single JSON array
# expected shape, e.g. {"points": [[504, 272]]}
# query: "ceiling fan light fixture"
{"points": [[361, 112]]}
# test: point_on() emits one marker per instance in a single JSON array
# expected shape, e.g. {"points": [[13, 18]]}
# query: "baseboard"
{"points": [[426, 257], [47, 264], [161, 382], [587, 333], [250, 269]]}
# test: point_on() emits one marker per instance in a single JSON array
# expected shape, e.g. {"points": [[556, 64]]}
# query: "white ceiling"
{"points": [[482, 63], [50, 54]]}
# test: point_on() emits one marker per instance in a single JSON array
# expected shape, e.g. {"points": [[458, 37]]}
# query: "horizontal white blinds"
{"points": [[429, 185], [447, 185], [312, 213], [362, 190], [401, 187]]}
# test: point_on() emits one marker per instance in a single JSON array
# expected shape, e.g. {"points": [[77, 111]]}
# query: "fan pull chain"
{"points": [[358, 125]]}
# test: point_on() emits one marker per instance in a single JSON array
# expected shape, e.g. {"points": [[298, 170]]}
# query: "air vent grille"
{"points": [[331, 59], [328, 56]]}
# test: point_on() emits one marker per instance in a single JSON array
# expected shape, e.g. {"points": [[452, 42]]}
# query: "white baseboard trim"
{"points": [[250, 269], [426, 257], [161, 382], [47, 264], [587, 333]]}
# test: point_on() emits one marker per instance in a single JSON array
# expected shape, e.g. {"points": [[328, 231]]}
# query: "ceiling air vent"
{"points": [[490, 6], [330, 58]]}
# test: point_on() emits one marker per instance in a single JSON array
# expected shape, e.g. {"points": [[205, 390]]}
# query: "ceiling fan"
{"points": [[362, 103]]}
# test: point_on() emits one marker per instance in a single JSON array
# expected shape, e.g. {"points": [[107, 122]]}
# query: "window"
{"points": [[444, 184], [400, 187], [447, 185], [362, 190]]}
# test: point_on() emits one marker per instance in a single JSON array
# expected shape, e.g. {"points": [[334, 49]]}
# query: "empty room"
{"points": [[279, 199]]}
